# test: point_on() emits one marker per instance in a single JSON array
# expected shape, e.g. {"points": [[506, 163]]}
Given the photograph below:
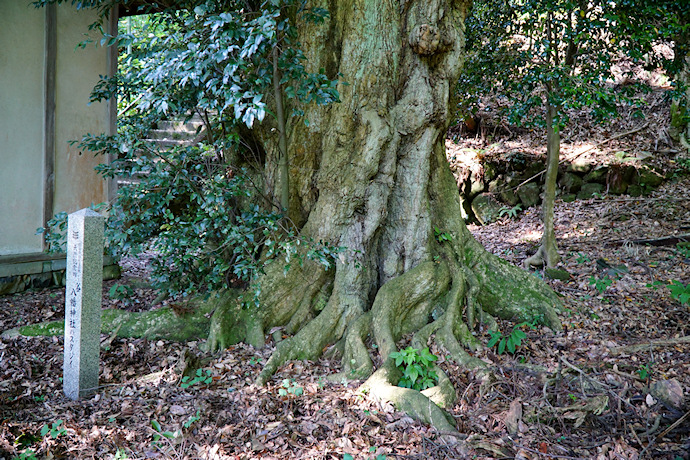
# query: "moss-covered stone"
{"points": [[486, 208], [570, 183], [509, 196], [533, 169], [12, 284], [635, 190], [579, 166], [529, 194], [648, 177], [557, 274], [597, 175], [491, 171], [589, 190], [111, 272]]}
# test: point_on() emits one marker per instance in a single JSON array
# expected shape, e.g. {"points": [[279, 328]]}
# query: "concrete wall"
{"points": [[21, 126], [26, 136]]}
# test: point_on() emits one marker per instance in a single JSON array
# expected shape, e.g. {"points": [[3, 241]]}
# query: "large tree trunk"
{"points": [[370, 174]]}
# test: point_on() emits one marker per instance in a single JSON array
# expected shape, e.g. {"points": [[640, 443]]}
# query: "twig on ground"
{"points": [[652, 344], [674, 425], [545, 454]]}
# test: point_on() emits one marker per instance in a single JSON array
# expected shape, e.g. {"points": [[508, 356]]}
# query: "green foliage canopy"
{"points": [[202, 208], [526, 53]]}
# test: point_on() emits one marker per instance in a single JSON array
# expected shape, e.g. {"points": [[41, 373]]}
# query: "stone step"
{"points": [[165, 134], [121, 182], [169, 143], [178, 125]]}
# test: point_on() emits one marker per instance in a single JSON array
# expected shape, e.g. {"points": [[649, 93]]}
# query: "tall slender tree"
{"points": [[548, 57]]}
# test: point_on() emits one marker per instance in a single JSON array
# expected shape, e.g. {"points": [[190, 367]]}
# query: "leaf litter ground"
{"points": [[583, 393]]}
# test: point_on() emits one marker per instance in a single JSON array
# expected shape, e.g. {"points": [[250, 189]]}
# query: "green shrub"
{"points": [[511, 341], [680, 292], [417, 368]]}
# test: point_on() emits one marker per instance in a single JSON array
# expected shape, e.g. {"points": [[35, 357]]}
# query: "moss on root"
{"points": [[162, 323]]}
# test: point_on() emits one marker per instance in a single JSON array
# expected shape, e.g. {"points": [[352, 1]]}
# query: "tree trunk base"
{"points": [[442, 300]]}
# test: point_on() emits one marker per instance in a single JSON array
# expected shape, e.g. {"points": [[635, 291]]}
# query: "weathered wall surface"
{"points": [[76, 183], [21, 126], [23, 135]]}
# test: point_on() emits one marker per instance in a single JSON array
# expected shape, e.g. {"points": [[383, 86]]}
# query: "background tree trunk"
{"points": [[547, 253], [680, 126], [370, 174]]}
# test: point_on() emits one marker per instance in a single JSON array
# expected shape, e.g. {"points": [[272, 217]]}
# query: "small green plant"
{"points": [[290, 387], [510, 212], [683, 249], [600, 284], [54, 234], [645, 371], [202, 377], [680, 292], [120, 292], [159, 433], [581, 258], [55, 430], [442, 236], [682, 168], [28, 454], [510, 341], [623, 157], [193, 419], [417, 368], [120, 454], [655, 285], [378, 457], [572, 397]]}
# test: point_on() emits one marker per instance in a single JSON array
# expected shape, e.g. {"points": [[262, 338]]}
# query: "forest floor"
{"points": [[612, 385]]}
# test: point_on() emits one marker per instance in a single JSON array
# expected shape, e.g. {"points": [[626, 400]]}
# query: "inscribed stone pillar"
{"points": [[83, 303]]}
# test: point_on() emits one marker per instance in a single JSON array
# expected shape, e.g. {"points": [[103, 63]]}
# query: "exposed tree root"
{"points": [[545, 256], [418, 404], [404, 303]]}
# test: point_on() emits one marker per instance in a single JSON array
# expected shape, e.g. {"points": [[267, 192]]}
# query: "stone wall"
{"points": [[490, 187]]}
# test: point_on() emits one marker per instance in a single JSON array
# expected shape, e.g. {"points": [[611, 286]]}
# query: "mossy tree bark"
{"points": [[370, 174]]}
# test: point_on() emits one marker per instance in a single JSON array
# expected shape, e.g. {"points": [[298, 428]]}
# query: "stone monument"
{"points": [[83, 294]]}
